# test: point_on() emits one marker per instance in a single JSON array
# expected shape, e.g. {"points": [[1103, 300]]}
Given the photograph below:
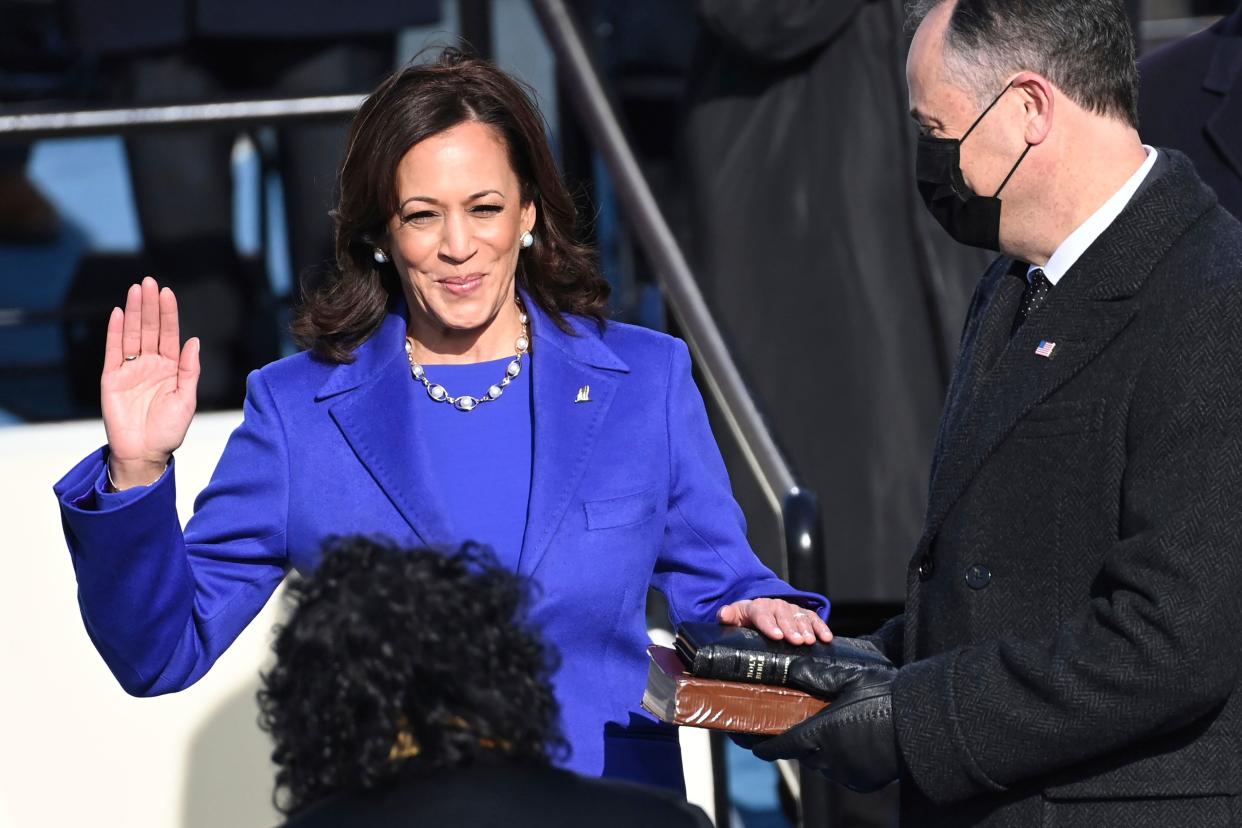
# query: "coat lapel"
{"points": [[374, 409], [998, 323], [565, 431], [980, 349], [1020, 380], [1093, 303]]}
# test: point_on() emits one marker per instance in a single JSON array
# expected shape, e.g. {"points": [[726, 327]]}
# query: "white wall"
{"points": [[74, 748]]}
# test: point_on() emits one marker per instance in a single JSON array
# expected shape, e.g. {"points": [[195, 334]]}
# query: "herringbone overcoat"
{"points": [[1070, 643]]}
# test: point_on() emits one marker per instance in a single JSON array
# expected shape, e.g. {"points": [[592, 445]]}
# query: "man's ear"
{"points": [[1038, 99]]}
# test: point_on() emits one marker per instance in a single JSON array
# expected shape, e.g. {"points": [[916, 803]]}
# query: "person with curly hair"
{"points": [[460, 383], [409, 689]]}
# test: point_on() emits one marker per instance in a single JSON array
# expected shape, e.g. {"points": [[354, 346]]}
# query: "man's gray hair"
{"points": [[1084, 47]]}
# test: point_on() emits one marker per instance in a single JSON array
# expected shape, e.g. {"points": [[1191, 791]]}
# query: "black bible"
{"points": [[743, 654]]}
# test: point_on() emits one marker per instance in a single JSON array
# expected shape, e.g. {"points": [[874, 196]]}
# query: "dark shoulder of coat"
{"points": [[1190, 99], [516, 797]]}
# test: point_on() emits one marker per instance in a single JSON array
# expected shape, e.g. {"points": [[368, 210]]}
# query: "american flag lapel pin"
{"points": [[1045, 349]]}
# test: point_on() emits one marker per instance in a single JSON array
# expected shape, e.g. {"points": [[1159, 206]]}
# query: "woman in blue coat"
{"points": [[459, 383]]}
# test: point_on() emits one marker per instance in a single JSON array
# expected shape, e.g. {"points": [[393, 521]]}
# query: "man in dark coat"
{"points": [[1069, 653], [1190, 98]]}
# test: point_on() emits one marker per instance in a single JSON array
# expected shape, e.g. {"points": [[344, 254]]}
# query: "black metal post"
{"points": [[804, 551], [721, 800], [804, 542]]}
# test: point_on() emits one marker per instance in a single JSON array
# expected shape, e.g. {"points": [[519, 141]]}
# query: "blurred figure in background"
{"points": [[26, 216], [178, 51], [842, 300], [34, 66], [409, 690], [1190, 99]]}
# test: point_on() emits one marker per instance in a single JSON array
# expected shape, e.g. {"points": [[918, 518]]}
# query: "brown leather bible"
{"points": [[676, 697]]}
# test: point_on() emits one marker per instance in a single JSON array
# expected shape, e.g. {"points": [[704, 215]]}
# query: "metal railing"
{"points": [[594, 108], [34, 125], [797, 508]]}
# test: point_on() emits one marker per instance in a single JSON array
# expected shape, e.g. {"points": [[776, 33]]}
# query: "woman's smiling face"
{"points": [[456, 236]]}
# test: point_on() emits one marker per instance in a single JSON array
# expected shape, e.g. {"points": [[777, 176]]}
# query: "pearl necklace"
{"points": [[466, 402]]}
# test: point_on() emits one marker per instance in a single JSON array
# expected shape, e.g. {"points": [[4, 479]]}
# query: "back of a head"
{"points": [[1084, 47], [396, 661]]}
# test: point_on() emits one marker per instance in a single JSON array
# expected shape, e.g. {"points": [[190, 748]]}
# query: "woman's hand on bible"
{"points": [[148, 387], [777, 619]]}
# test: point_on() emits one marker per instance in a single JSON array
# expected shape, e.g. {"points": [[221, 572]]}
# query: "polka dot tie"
{"points": [[1037, 289]]}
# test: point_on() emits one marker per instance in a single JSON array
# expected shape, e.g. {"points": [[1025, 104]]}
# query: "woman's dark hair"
{"points": [[387, 646], [411, 105]]}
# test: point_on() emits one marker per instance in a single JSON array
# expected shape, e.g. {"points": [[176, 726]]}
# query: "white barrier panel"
{"points": [[76, 749]]}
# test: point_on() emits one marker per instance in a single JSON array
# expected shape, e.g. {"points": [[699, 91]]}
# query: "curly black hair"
{"points": [[389, 646]]}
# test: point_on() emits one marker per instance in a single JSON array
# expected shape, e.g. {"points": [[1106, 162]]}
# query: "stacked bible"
{"points": [[734, 679]]}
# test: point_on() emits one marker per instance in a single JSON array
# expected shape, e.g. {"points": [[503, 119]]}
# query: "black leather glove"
{"points": [[852, 741]]}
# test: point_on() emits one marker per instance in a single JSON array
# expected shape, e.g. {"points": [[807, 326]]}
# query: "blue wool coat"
{"points": [[627, 491]]}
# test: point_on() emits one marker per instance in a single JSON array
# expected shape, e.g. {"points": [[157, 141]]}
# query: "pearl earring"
{"points": [[380, 256], [528, 239]]}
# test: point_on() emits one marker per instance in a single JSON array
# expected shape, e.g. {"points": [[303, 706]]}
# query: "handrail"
{"points": [[685, 299], [31, 125], [797, 508]]}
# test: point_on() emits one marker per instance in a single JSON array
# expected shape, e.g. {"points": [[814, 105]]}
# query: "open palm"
{"points": [[149, 383]]}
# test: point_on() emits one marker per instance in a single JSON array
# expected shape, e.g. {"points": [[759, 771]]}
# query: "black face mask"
{"points": [[968, 217]]}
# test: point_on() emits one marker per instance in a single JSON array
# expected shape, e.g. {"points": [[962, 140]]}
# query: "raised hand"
{"points": [[148, 388]]}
